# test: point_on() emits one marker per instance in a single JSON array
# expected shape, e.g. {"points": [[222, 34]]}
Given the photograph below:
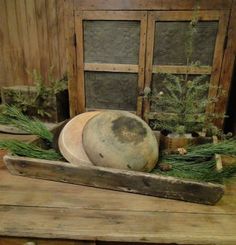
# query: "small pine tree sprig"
{"points": [[187, 101], [183, 95], [40, 98]]}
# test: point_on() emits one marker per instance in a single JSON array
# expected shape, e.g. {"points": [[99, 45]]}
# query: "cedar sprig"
{"points": [[29, 150], [13, 116]]}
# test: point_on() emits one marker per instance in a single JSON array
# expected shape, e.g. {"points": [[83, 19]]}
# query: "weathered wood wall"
{"points": [[32, 36]]}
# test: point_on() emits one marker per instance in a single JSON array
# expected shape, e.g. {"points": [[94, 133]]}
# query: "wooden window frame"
{"points": [[76, 67], [80, 16], [214, 71]]}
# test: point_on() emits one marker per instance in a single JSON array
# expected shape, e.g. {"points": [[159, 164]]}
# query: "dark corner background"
{"points": [[230, 121]]}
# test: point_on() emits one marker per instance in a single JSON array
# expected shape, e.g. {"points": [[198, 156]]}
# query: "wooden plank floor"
{"points": [[46, 209]]}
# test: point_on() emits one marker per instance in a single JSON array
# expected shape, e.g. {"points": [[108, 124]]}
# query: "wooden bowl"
{"points": [[122, 140], [70, 139]]}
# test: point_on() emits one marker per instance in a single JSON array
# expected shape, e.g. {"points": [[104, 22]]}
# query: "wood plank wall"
{"points": [[32, 36]]}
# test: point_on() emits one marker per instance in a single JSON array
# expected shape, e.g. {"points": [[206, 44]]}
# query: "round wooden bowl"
{"points": [[70, 139], [122, 140]]}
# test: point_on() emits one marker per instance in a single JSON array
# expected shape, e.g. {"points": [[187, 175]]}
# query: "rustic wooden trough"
{"points": [[116, 179]]}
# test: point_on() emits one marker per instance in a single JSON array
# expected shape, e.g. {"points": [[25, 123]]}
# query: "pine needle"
{"points": [[205, 151], [29, 150], [13, 116], [227, 147], [199, 163], [201, 171]]}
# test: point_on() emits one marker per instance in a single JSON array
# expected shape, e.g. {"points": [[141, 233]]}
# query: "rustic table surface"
{"points": [[45, 210]]}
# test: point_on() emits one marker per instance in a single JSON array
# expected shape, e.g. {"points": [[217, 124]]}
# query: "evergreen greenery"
{"points": [[29, 150], [205, 151], [182, 110], [199, 163], [200, 171], [183, 98], [13, 116], [185, 102], [39, 99]]}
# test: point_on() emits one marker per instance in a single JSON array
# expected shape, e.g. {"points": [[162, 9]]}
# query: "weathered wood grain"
{"points": [[43, 41], [24, 40], [37, 241], [203, 15], [228, 65], [142, 59], [87, 224], [16, 54], [129, 181], [22, 137], [217, 59], [36, 208], [127, 68], [32, 36], [11, 130], [181, 69], [53, 36], [5, 61], [149, 61], [17, 190], [80, 98], [112, 15], [150, 5], [71, 58], [61, 25]]}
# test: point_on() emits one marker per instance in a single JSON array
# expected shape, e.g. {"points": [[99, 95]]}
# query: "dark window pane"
{"points": [[111, 41], [111, 90], [171, 41]]}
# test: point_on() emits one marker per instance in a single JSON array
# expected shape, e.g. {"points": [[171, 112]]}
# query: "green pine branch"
{"points": [[199, 162], [13, 116], [29, 150]]}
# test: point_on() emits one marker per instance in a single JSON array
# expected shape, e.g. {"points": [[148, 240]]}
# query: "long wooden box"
{"points": [[116, 179]]}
